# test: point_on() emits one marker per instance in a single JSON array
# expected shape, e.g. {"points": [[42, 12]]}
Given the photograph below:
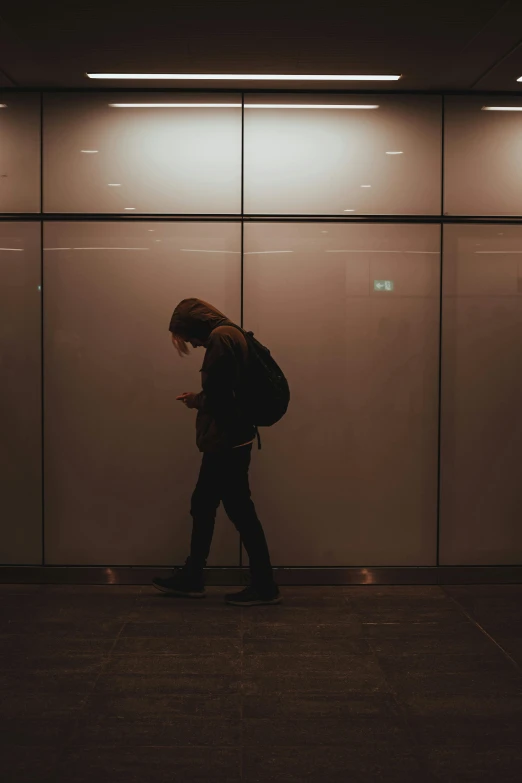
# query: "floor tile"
{"points": [[52, 728], [22, 646], [173, 665], [212, 703], [278, 643], [488, 764], [150, 765], [263, 699], [428, 638], [37, 766], [182, 644], [155, 729], [172, 683], [357, 763], [329, 730], [356, 669]]}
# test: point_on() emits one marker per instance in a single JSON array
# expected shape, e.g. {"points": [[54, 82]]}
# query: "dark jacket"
{"points": [[220, 422]]}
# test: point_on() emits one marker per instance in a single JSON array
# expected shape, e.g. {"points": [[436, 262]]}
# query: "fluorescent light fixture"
{"points": [[249, 77], [263, 252], [3, 105], [247, 106], [15, 249], [57, 248], [496, 252], [114, 184], [502, 108], [89, 151], [129, 208], [398, 152], [365, 186]]}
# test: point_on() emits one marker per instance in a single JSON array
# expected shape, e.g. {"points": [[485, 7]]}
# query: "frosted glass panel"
{"points": [[19, 152], [20, 395], [481, 436], [482, 156], [351, 313], [339, 161], [121, 455], [99, 157]]}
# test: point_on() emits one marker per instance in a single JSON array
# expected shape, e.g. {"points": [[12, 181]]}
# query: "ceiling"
{"points": [[443, 45]]}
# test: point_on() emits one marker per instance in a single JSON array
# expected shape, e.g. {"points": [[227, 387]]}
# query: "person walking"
{"points": [[225, 435]]}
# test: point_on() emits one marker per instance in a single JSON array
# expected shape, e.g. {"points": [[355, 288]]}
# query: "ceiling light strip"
{"points": [[249, 77], [247, 106]]}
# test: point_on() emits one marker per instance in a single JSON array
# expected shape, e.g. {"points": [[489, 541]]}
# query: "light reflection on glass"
{"points": [[194, 250]]}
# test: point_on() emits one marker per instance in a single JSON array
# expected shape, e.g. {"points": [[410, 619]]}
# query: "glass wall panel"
{"points": [[351, 313], [343, 154], [481, 436], [19, 152], [20, 395], [482, 156], [156, 155], [121, 457]]}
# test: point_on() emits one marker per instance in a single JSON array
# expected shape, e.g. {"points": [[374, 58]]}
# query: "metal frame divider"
{"points": [[441, 262], [242, 247], [42, 311]]}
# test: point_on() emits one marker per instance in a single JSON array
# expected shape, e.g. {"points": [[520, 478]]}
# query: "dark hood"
{"points": [[196, 318]]}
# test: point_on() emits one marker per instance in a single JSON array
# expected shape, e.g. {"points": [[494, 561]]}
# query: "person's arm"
{"points": [[199, 401], [218, 375]]}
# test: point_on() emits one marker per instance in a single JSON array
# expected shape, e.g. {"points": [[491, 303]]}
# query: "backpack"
{"points": [[264, 393]]}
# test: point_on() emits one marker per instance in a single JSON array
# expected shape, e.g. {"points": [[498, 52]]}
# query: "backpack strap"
{"points": [[258, 438]]}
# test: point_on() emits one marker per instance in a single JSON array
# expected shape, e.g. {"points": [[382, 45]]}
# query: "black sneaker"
{"points": [[251, 597], [184, 582]]}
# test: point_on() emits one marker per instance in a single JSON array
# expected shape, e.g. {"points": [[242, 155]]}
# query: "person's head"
{"points": [[180, 343], [192, 322]]}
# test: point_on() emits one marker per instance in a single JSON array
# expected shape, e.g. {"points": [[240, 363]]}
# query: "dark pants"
{"points": [[224, 477]]}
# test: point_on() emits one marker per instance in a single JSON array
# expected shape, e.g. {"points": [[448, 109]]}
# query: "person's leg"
{"points": [[238, 504], [204, 505]]}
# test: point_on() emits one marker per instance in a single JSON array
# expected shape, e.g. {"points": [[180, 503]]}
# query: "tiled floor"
{"points": [[127, 685]]}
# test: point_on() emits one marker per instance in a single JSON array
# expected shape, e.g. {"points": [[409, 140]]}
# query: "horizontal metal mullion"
{"points": [[114, 217], [237, 218]]}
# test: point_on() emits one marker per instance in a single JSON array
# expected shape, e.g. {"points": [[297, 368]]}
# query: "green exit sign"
{"points": [[383, 285]]}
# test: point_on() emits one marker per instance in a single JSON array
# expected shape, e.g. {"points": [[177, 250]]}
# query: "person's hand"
{"points": [[188, 398]]}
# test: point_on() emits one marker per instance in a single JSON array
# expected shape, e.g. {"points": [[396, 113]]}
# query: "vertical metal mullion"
{"points": [[441, 261], [42, 290], [242, 242]]}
